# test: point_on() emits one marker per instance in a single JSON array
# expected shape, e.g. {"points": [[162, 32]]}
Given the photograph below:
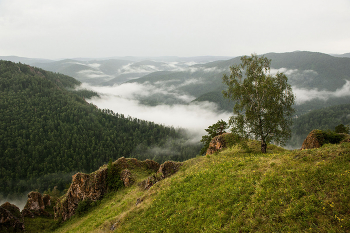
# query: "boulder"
{"points": [[47, 200], [9, 222], [127, 178], [15, 211], [34, 202], [35, 206], [165, 170], [216, 144], [168, 168], [27, 213], [315, 139], [149, 182]]}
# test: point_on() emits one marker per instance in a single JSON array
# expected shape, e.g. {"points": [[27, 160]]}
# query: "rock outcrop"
{"points": [[15, 211], [84, 187], [10, 218], [165, 170], [35, 202], [47, 200], [27, 213], [318, 138], [216, 144], [315, 139], [35, 205], [93, 186], [168, 168], [127, 178]]}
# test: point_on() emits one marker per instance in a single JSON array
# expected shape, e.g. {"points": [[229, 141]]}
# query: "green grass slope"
{"points": [[236, 191]]}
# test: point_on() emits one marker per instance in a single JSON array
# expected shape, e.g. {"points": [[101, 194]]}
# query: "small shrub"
{"points": [[83, 207], [232, 139], [113, 177], [332, 137], [341, 129]]}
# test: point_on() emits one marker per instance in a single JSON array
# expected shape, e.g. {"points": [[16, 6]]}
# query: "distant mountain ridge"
{"points": [[341, 55], [321, 73], [114, 70]]}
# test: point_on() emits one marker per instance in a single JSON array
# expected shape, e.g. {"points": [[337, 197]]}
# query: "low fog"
{"points": [[303, 95], [20, 202], [174, 108], [123, 99], [299, 78]]}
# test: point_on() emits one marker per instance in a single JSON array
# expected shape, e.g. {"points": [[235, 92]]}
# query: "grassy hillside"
{"points": [[236, 191]]}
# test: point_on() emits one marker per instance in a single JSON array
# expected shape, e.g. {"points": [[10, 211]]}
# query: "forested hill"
{"points": [[47, 131]]}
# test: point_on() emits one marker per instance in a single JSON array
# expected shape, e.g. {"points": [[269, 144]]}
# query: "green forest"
{"points": [[48, 132]]}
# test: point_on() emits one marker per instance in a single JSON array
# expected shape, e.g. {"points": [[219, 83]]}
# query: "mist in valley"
{"points": [[125, 99]]}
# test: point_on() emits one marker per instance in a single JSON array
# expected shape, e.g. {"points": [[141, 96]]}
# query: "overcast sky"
{"points": [[105, 28]]}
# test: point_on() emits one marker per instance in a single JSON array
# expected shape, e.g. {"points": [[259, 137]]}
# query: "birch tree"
{"points": [[263, 102]]}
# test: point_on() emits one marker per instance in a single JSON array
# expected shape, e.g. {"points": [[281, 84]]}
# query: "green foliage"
{"points": [[54, 194], [113, 177], [342, 129], [332, 137], [216, 129], [84, 206], [86, 94], [40, 224], [264, 102], [233, 139]]}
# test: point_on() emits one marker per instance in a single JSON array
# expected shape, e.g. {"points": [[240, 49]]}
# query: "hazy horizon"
{"points": [[90, 28]]}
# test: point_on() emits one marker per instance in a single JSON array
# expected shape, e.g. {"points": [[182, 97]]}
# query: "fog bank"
{"points": [[123, 99]]}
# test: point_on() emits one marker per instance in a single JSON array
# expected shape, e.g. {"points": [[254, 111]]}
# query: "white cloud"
{"points": [[93, 74], [123, 99], [129, 68], [293, 73], [194, 117], [303, 95], [191, 82], [94, 65]]}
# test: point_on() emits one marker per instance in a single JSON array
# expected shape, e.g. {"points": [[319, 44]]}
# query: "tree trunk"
{"points": [[263, 146]]}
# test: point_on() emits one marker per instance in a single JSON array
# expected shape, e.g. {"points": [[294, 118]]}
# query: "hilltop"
{"points": [[235, 190]]}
